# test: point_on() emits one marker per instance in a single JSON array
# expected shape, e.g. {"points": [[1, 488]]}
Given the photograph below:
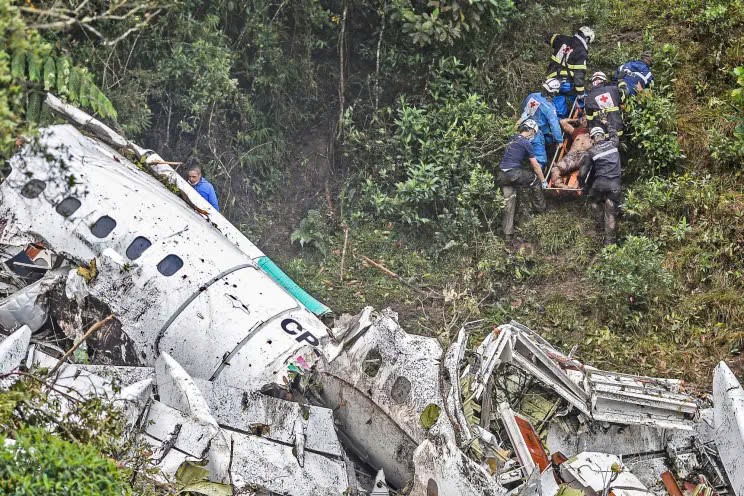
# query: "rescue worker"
{"points": [[539, 107], [600, 173], [580, 142], [635, 75], [511, 176], [568, 65], [603, 103], [202, 186]]}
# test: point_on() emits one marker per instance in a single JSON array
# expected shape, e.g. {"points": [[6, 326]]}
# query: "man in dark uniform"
{"points": [[568, 64], [600, 171], [603, 103], [512, 176]]}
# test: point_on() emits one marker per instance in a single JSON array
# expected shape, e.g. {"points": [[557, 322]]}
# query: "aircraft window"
{"points": [[103, 227], [138, 247], [68, 206], [372, 362], [170, 265], [400, 390], [33, 188], [5, 171]]}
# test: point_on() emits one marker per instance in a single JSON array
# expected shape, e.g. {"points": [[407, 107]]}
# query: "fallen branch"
{"points": [[400, 279], [75, 346], [163, 162]]}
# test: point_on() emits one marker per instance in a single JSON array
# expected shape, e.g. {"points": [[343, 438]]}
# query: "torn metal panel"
{"points": [[273, 418], [566, 437], [548, 373], [258, 462], [121, 375], [627, 399], [599, 473], [441, 468], [380, 487], [509, 421], [542, 485], [494, 350], [352, 325], [452, 361], [28, 306], [728, 408], [378, 387], [13, 350]]}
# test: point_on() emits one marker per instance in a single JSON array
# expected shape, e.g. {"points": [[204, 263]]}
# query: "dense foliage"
{"points": [[40, 464]]}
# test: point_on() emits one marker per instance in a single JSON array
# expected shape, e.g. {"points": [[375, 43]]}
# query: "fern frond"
{"points": [[33, 111], [18, 65], [73, 84], [50, 74], [34, 68], [63, 75]]}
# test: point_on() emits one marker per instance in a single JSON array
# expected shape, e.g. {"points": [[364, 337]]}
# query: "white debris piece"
{"points": [[629, 399], [728, 408], [517, 441], [599, 473], [27, 306], [380, 488], [13, 349]]}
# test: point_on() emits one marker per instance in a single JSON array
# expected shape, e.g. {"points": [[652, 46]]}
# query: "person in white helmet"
{"points": [[570, 54], [512, 176], [600, 174], [604, 102], [539, 107]]}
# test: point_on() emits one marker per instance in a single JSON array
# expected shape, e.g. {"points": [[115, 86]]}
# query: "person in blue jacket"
{"points": [[539, 106], [635, 75], [203, 187]]}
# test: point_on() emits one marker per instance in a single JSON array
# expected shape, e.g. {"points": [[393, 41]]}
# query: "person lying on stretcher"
{"points": [[580, 142]]}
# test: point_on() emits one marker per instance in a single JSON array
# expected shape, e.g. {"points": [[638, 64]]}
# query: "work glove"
{"points": [[545, 184]]}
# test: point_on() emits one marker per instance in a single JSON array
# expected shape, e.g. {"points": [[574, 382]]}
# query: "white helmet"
{"points": [[552, 86], [529, 125], [587, 33], [597, 131], [599, 75]]}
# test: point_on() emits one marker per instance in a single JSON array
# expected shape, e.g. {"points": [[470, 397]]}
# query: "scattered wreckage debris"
{"points": [[218, 362]]}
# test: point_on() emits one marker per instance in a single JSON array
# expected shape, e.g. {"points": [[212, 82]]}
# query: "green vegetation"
{"points": [[40, 464]]}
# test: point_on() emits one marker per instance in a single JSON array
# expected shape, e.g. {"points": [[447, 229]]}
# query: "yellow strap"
{"points": [[580, 67], [552, 38]]}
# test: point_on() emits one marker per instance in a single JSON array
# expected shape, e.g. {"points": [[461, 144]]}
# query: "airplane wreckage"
{"points": [[214, 355]]}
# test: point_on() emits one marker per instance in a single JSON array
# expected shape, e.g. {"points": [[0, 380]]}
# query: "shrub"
{"points": [[432, 158], [653, 132], [631, 275], [41, 464], [313, 231], [727, 145]]}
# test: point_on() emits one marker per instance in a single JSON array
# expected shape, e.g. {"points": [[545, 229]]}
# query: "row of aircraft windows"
{"points": [[103, 227]]}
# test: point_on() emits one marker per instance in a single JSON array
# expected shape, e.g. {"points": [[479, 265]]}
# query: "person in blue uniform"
{"points": [[203, 187], [539, 107], [511, 176]]}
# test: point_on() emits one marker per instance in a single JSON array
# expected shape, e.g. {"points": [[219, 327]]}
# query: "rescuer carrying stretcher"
{"points": [[588, 158]]}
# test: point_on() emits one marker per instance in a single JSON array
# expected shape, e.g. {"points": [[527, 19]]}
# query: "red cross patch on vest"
{"points": [[532, 106], [563, 52], [604, 101]]}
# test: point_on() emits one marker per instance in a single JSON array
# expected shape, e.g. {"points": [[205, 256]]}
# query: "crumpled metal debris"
{"points": [[28, 306]]}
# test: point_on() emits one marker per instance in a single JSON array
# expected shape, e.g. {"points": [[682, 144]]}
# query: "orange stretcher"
{"points": [[573, 188]]}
